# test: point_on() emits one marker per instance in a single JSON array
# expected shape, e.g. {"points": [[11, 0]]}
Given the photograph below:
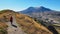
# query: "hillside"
{"points": [[26, 23], [30, 26], [44, 16]]}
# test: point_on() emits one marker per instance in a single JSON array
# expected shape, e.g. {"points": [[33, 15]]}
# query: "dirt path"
{"points": [[13, 30]]}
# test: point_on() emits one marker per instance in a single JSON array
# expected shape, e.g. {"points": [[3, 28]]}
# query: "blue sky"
{"points": [[19, 5]]}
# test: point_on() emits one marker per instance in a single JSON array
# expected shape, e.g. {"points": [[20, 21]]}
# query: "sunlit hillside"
{"points": [[26, 23], [30, 26]]}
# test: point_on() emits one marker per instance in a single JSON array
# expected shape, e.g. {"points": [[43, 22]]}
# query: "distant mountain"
{"points": [[35, 9], [45, 13]]}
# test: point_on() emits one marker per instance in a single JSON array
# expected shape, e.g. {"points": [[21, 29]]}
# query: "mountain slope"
{"points": [[27, 24], [14, 27], [35, 9], [42, 13], [45, 16], [30, 26]]}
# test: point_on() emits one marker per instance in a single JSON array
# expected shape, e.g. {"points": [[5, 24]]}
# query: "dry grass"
{"points": [[27, 24], [30, 26], [3, 27], [3, 20]]}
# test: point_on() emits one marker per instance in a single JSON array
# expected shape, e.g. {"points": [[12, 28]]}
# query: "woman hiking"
{"points": [[11, 19]]}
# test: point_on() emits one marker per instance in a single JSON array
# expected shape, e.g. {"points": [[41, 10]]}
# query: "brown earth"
{"points": [[27, 24]]}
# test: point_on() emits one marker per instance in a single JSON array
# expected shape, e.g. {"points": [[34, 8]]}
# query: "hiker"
{"points": [[11, 19]]}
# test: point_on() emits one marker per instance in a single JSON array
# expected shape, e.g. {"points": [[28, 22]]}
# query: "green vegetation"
{"points": [[2, 31], [7, 10]]}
